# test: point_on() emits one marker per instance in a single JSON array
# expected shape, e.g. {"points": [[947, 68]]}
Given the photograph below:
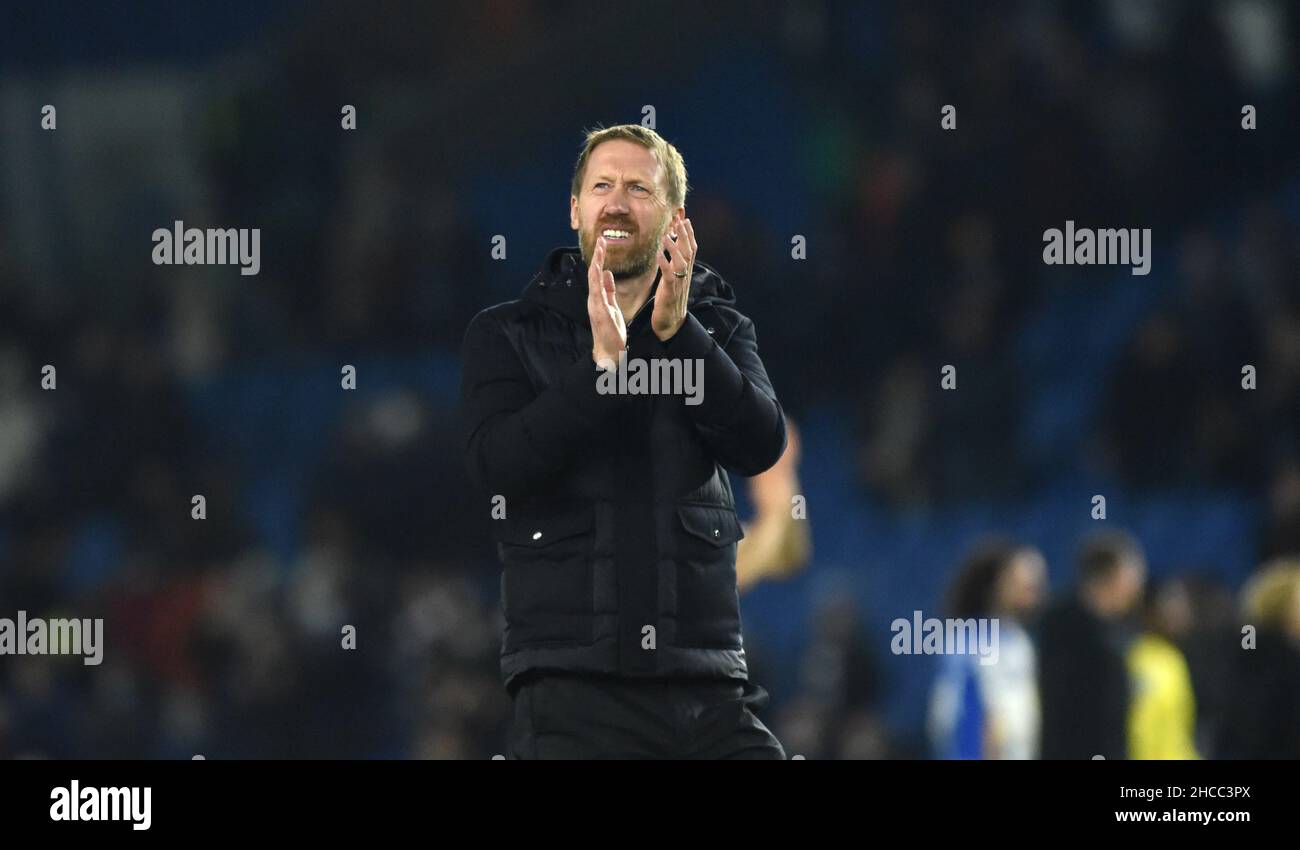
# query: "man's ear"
{"points": [[573, 212]]}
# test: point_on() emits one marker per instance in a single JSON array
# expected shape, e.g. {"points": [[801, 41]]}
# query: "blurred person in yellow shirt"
{"points": [[1162, 714]]}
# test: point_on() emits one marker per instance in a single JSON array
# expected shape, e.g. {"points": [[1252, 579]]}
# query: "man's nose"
{"points": [[617, 200]]}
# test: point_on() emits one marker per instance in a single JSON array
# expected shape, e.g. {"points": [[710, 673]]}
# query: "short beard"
{"points": [[639, 260]]}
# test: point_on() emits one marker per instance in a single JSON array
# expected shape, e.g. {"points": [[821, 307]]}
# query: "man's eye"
{"points": [[598, 185], [638, 188]]}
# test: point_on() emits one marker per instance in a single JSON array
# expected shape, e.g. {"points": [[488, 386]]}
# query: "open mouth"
{"points": [[613, 234]]}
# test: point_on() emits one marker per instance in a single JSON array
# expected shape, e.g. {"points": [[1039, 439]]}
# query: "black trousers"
{"points": [[577, 716]]}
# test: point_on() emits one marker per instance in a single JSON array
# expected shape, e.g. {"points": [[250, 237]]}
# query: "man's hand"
{"points": [[608, 330], [674, 279]]}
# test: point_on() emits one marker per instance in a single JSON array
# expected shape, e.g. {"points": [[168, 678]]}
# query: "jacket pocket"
{"points": [[707, 604], [546, 578], [540, 531]]}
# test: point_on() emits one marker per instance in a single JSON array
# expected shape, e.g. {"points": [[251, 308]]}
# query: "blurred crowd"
{"points": [[1119, 667], [1115, 666], [224, 639]]}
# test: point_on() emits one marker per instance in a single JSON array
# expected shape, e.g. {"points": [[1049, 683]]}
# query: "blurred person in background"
{"points": [[777, 542], [1082, 645], [618, 538], [837, 710], [1262, 716], [1210, 649], [1281, 532], [991, 711], [1162, 715]]}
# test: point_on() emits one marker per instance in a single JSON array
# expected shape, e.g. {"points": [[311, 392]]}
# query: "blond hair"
{"points": [[669, 157], [1270, 595]]}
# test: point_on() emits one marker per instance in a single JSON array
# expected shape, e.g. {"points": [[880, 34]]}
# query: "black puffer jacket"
{"points": [[619, 534]]}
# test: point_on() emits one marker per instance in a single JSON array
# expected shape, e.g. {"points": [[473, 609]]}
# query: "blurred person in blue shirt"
{"points": [[984, 710]]}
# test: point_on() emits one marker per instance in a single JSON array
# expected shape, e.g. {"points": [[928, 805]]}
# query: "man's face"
{"points": [[1128, 583], [1022, 584], [622, 190]]}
